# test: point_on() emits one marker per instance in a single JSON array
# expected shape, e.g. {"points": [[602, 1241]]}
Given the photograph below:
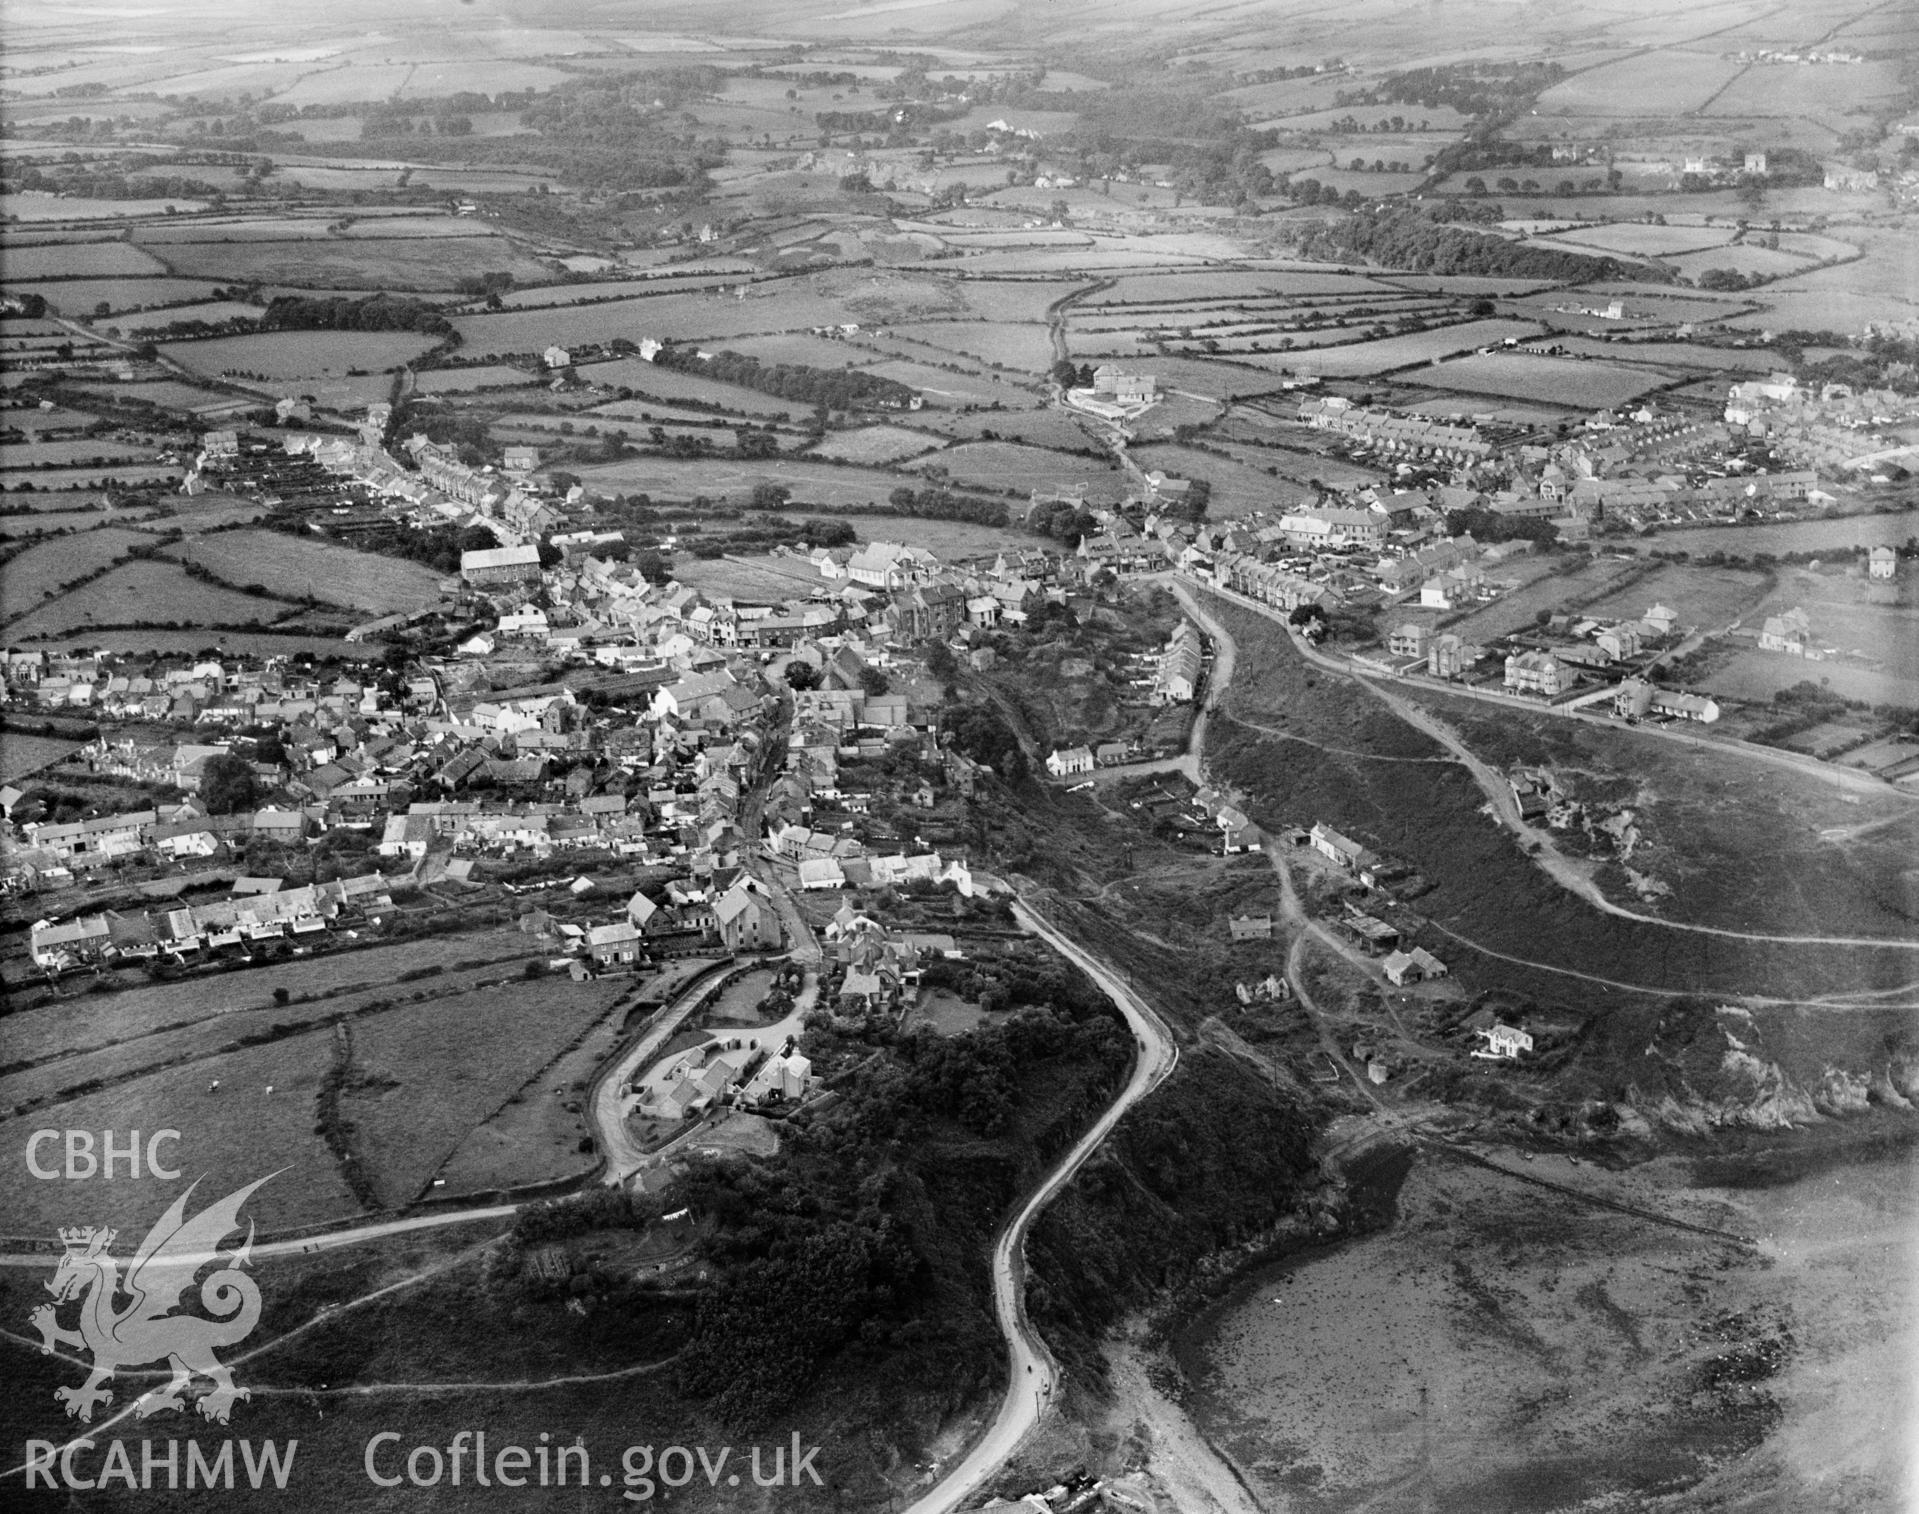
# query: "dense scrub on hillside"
{"points": [[1415, 240], [1213, 1158], [1492, 894]]}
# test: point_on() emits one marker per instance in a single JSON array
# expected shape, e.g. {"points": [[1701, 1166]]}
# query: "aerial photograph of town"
{"points": [[919, 756]]}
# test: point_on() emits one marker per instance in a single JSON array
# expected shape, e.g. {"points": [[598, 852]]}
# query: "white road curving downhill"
{"points": [[1032, 1374]]}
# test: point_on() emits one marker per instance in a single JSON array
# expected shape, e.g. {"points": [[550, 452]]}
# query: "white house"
{"points": [[1503, 1043], [558, 357], [1070, 760]]}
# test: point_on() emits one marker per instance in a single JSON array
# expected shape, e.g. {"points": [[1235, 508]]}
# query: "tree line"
{"points": [[830, 388], [1409, 239], [379, 312]]}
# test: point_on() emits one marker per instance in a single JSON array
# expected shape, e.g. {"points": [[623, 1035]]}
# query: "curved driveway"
{"points": [[1032, 1374]]}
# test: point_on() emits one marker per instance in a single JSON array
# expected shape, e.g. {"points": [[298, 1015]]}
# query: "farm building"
{"points": [[1348, 853], [1786, 633], [1414, 966], [1128, 388], [499, 565]]}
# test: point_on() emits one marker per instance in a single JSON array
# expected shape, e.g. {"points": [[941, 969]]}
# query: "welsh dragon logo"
{"points": [[146, 1328]]}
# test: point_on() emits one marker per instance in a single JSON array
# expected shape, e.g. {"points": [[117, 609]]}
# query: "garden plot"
{"points": [[1577, 383], [296, 568]]}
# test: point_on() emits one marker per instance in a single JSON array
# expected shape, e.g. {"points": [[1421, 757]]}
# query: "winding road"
{"points": [[1032, 1374], [1499, 793]]}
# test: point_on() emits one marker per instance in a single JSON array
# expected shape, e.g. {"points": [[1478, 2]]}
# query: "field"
{"points": [[76, 297], [1636, 239], [1365, 359], [1703, 598], [237, 643], [649, 380], [425, 263], [228, 1139], [22, 756], [1760, 675], [465, 380], [344, 369], [1543, 589], [1583, 1335], [1744, 258], [876, 444], [1655, 84], [669, 478], [426, 1076], [1579, 383], [1238, 487], [1026, 348], [144, 591], [40, 572], [752, 580], [211, 311], [1006, 465], [1827, 95], [73, 260], [67, 451], [294, 568]]}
